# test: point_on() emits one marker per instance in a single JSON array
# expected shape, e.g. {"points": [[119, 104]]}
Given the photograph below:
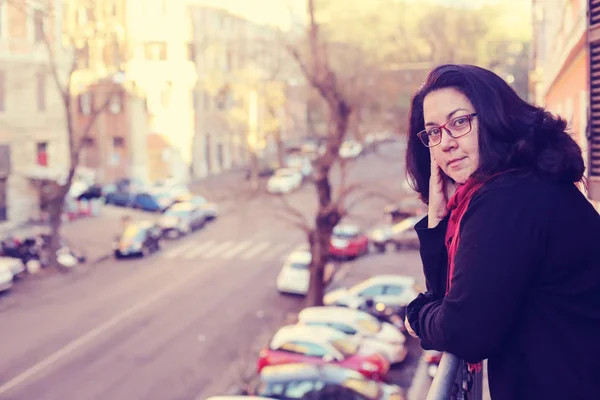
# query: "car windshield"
{"points": [[369, 389], [369, 323], [299, 265], [345, 235], [131, 233], [345, 346], [178, 212]]}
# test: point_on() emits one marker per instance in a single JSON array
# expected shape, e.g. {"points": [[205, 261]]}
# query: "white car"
{"points": [[295, 274], [6, 278], [285, 180], [14, 265], [359, 324], [397, 236], [350, 149], [394, 291], [301, 164]]}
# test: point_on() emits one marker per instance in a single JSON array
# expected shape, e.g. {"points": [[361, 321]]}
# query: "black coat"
{"points": [[525, 292]]}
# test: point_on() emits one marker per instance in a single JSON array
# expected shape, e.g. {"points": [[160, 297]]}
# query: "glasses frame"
{"points": [[447, 130]]}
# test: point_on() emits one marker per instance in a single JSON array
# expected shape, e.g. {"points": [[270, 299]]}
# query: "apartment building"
{"points": [[33, 146], [561, 73], [237, 62]]}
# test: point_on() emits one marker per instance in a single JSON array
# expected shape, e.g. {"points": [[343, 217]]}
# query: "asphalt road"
{"points": [[186, 322]]}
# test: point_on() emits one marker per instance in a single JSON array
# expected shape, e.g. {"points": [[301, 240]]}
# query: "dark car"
{"points": [[154, 202], [138, 239], [294, 381], [181, 219]]}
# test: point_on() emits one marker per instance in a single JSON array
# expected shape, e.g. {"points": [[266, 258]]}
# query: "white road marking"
{"points": [[274, 251], [93, 334], [255, 250], [217, 249], [237, 249], [199, 249], [179, 250]]}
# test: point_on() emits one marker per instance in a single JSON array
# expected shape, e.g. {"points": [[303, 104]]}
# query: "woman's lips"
{"points": [[455, 162]]}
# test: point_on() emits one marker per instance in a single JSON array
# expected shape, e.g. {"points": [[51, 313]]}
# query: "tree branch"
{"points": [[299, 220]]}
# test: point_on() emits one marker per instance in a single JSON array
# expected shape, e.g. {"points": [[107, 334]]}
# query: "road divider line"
{"points": [[217, 249], [237, 249], [196, 251], [255, 250]]}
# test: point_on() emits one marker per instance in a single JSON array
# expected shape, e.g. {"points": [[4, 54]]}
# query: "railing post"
{"points": [[453, 381]]}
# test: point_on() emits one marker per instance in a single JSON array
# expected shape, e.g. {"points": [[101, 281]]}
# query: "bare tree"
{"points": [[71, 69]]}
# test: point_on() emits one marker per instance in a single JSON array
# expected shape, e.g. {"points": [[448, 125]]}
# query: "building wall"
{"points": [[33, 112], [561, 63]]}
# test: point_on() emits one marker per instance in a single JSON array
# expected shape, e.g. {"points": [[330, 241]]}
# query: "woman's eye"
{"points": [[460, 121], [434, 132]]}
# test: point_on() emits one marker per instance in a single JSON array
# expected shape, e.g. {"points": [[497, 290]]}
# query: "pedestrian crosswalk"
{"points": [[261, 250]]}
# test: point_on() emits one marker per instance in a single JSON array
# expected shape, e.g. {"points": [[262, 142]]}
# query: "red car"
{"points": [[322, 345], [348, 241]]}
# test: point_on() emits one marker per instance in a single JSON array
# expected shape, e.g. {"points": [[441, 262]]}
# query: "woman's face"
{"points": [[458, 157]]}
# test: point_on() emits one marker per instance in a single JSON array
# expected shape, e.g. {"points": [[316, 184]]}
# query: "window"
{"points": [[41, 91], [85, 103], [88, 141], [3, 208], [2, 91], [38, 23], [116, 103], [191, 52], [313, 349], [297, 389], [394, 290], [42, 153], [155, 51], [375, 290], [118, 142]]}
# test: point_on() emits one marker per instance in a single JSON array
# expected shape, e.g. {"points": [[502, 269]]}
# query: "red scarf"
{"points": [[457, 205]]}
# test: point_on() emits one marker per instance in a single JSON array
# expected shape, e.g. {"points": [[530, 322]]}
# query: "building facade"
{"points": [[560, 78], [33, 143]]}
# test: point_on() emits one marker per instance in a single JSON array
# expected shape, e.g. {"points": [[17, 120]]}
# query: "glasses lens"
{"points": [[460, 126]]}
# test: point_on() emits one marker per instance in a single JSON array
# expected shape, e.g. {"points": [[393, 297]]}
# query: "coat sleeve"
{"points": [[502, 240], [434, 255]]}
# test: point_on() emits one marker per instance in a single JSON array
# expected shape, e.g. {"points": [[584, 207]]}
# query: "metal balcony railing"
{"points": [[453, 381]]}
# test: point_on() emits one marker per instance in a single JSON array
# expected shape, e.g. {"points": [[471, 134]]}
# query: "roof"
{"points": [[327, 372], [312, 334], [348, 229], [329, 313], [300, 257]]}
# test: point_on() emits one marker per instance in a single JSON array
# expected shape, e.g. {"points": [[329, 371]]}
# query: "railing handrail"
{"points": [[452, 381]]}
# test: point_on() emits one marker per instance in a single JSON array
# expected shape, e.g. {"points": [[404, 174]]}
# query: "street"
{"points": [[186, 322]]}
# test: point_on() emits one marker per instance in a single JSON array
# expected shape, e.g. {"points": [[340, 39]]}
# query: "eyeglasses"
{"points": [[455, 127]]}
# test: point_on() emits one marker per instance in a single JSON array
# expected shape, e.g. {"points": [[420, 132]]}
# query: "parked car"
{"points": [[361, 325], [154, 202], [6, 279], [432, 358], [285, 180], [138, 239], [181, 219], [348, 241], [210, 209], [393, 291], [294, 381], [401, 235], [322, 345], [14, 265], [120, 197], [295, 274], [239, 398], [299, 163], [350, 149]]}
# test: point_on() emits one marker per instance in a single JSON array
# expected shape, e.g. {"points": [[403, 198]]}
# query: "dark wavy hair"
{"points": [[513, 134]]}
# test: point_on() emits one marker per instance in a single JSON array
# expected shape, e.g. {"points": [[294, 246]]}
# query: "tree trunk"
{"points": [[280, 148], [55, 219], [254, 166]]}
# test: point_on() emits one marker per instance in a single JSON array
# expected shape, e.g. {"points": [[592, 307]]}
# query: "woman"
{"points": [[510, 246]]}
